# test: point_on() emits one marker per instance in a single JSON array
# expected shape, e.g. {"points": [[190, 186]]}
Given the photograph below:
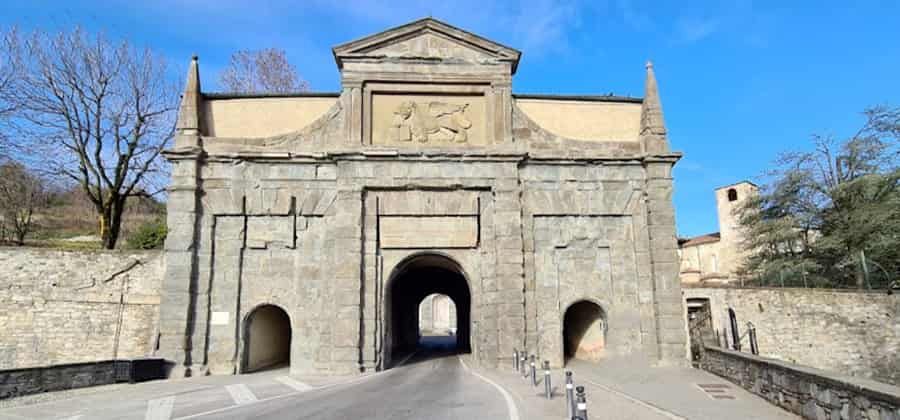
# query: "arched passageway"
{"points": [[410, 283], [437, 315], [267, 338], [584, 331]]}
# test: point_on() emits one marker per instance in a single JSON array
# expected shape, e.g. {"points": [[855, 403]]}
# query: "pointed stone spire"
{"points": [[189, 111], [653, 126]]}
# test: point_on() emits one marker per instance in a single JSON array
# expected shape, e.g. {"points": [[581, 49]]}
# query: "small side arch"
{"points": [[267, 335], [584, 331]]}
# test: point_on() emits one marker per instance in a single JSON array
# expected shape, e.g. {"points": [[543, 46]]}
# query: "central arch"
{"points": [[414, 279]]}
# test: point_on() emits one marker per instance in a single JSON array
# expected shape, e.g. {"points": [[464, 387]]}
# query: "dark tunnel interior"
{"points": [[414, 280]]}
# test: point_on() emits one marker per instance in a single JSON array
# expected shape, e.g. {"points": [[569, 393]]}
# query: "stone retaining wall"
{"points": [[851, 332], [59, 307], [18, 382], [811, 393]]}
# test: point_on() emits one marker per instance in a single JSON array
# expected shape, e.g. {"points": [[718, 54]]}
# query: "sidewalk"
{"points": [[533, 403], [629, 389]]}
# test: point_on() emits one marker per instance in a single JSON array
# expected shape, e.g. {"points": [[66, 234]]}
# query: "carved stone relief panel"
{"points": [[423, 120]]}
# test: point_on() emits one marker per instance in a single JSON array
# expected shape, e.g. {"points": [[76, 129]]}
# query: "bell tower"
{"points": [[729, 200]]}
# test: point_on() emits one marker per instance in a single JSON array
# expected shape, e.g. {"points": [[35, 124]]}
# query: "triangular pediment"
{"points": [[427, 39]]}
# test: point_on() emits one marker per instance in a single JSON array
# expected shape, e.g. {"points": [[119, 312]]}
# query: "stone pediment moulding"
{"points": [[427, 39]]}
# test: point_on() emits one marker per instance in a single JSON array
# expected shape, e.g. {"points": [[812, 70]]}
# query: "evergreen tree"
{"points": [[830, 216]]}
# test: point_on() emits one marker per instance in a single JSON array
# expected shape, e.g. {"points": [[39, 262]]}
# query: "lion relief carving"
{"points": [[431, 121]]}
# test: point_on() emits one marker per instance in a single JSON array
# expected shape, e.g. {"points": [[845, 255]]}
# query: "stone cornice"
{"points": [[671, 157], [183, 153], [431, 155]]}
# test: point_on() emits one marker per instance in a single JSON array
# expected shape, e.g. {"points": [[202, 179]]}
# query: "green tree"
{"points": [[831, 216], [150, 235]]}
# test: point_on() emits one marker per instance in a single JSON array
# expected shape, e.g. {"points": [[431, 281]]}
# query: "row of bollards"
{"points": [[576, 400]]}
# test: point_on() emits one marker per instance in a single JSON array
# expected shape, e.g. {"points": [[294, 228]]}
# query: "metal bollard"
{"points": [[754, 346], [523, 363], [516, 359], [570, 395], [580, 403], [547, 390], [533, 372]]}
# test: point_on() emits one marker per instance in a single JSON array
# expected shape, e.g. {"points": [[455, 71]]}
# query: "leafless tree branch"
{"points": [[262, 71], [97, 112]]}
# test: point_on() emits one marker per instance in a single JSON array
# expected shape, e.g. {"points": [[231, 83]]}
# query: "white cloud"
{"points": [[693, 29]]}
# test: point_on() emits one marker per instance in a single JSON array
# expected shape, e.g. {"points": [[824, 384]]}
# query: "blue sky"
{"points": [[740, 80]]}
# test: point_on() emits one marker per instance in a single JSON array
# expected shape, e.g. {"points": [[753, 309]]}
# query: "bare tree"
{"points": [[261, 71], [98, 113], [9, 73], [21, 193]]}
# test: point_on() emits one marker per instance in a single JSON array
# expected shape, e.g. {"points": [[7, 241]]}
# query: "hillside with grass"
{"points": [[68, 220]]}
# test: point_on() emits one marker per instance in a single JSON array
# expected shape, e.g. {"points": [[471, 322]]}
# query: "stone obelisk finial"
{"points": [[189, 112], [653, 126]]}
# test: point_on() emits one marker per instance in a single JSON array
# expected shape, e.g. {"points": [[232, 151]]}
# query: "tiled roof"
{"points": [[699, 240]]}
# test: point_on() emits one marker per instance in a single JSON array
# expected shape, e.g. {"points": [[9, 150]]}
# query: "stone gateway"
{"points": [[308, 228]]}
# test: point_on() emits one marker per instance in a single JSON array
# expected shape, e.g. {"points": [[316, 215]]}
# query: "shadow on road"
{"points": [[431, 347]]}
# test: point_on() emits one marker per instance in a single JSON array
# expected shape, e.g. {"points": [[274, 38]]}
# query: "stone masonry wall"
{"points": [[855, 333], [811, 393], [70, 307]]}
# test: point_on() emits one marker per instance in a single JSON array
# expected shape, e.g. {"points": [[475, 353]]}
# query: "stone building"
{"points": [[307, 228], [716, 257]]}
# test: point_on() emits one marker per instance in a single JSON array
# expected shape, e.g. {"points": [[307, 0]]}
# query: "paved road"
{"points": [[433, 383]]}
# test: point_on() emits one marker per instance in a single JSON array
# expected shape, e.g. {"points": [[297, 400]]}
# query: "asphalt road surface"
{"points": [[432, 384]]}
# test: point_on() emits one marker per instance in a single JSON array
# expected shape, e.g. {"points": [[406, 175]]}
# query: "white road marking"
{"points": [[78, 417], [293, 383], [160, 408], [510, 405], [241, 394], [647, 405], [291, 394]]}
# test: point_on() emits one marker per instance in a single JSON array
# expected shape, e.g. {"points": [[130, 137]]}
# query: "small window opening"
{"points": [[732, 194]]}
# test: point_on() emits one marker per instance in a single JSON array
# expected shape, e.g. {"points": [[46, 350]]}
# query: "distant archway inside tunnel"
{"points": [[584, 331], [414, 279], [267, 339], [437, 315]]}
